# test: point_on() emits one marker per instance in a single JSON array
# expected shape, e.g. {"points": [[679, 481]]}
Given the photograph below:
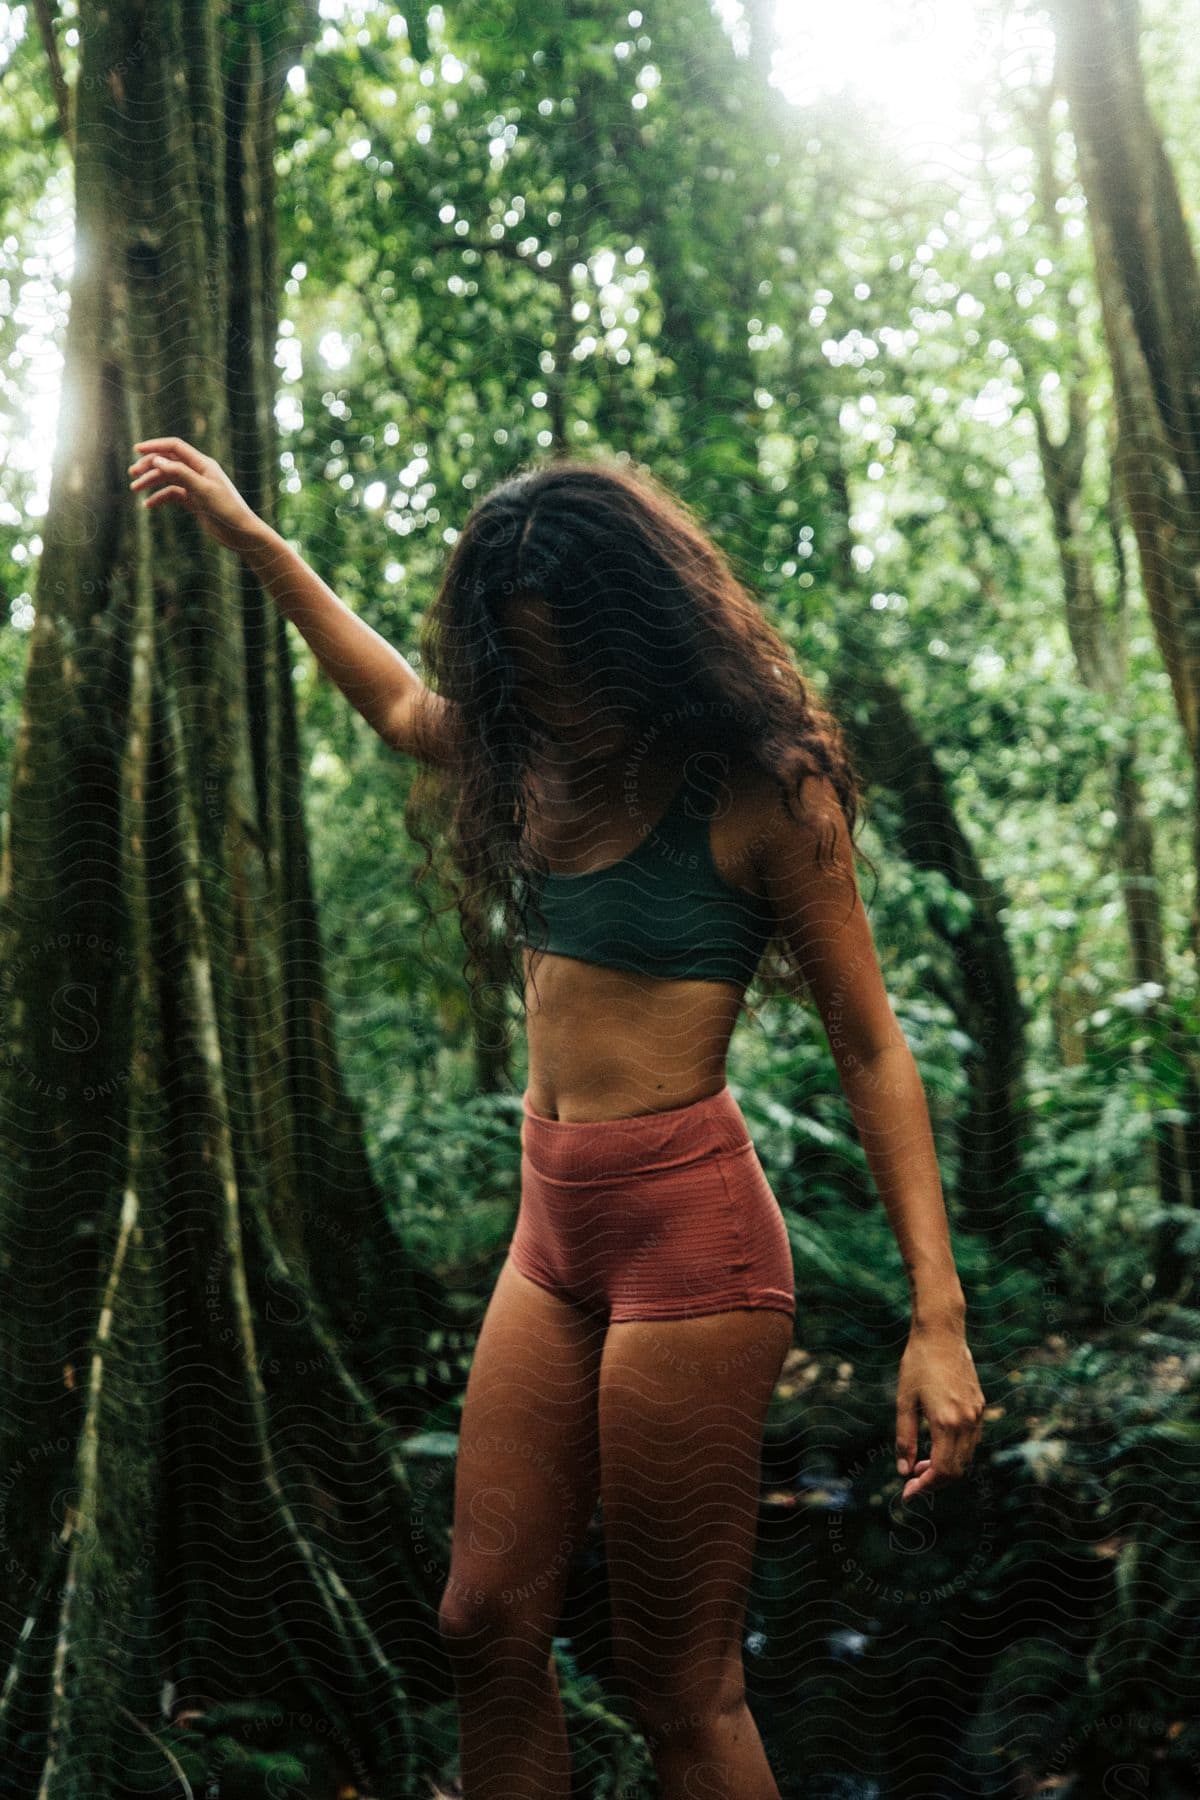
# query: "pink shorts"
{"points": [[665, 1215]]}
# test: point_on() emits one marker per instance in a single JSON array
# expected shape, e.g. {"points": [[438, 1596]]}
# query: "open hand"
{"points": [[937, 1378], [199, 484]]}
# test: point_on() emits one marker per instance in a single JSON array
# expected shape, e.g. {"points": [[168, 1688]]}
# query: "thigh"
{"points": [[681, 1414], [527, 1467]]}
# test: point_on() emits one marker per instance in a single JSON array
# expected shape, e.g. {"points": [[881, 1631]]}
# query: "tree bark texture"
{"points": [[1146, 277], [1149, 289], [208, 1328], [1097, 632]]}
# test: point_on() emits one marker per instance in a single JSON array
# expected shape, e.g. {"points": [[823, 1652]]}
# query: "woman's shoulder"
{"points": [[776, 810]]}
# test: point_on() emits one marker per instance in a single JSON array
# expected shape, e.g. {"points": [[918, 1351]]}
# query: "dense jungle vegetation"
{"points": [[921, 351]]}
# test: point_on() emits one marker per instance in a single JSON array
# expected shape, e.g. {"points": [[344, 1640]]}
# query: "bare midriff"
{"points": [[607, 1043]]}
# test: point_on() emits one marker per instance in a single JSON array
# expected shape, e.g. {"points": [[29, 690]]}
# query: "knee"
{"points": [[488, 1621], [687, 1718], [467, 1614]]}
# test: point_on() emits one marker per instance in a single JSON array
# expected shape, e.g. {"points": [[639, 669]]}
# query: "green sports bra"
{"points": [[662, 910]]}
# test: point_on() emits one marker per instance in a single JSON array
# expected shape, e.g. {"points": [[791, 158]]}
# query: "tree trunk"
{"points": [[984, 997], [891, 752], [199, 1286], [1147, 280], [1097, 635]]}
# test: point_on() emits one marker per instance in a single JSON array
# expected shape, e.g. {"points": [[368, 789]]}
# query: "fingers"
{"points": [[919, 1480], [949, 1458], [173, 446], [951, 1450], [158, 466], [906, 1433], [161, 467]]}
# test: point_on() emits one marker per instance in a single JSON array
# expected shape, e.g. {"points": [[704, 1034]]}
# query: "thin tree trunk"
{"points": [[984, 996], [1146, 276], [1097, 635], [1149, 288], [892, 752]]}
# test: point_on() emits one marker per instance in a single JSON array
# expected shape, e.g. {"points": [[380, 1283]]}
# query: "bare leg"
{"points": [[682, 1407], [524, 1490]]}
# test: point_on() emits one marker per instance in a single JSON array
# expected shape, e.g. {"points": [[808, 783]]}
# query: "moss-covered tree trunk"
{"points": [[207, 1327], [1149, 287], [1097, 631]]}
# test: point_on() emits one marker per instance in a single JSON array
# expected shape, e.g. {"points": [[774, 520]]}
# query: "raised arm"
{"points": [[372, 674], [375, 678]]}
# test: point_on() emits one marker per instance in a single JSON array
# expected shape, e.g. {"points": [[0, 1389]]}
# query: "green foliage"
{"points": [[766, 307], [1111, 1442], [453, 1175], [460, 257]]}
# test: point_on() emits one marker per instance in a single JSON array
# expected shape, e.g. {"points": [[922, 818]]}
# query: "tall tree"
{"points": [[200, 1293], [1098, 638], [1149, 288]]}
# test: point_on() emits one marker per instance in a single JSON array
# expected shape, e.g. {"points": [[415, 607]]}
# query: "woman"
{"points": [[646, 788]]}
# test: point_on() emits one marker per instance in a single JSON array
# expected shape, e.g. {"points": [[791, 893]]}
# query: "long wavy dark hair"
{"points": [[633, 582]]}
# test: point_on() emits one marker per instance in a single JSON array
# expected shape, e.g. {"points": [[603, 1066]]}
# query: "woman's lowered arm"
{"points": [[821, 916]]}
